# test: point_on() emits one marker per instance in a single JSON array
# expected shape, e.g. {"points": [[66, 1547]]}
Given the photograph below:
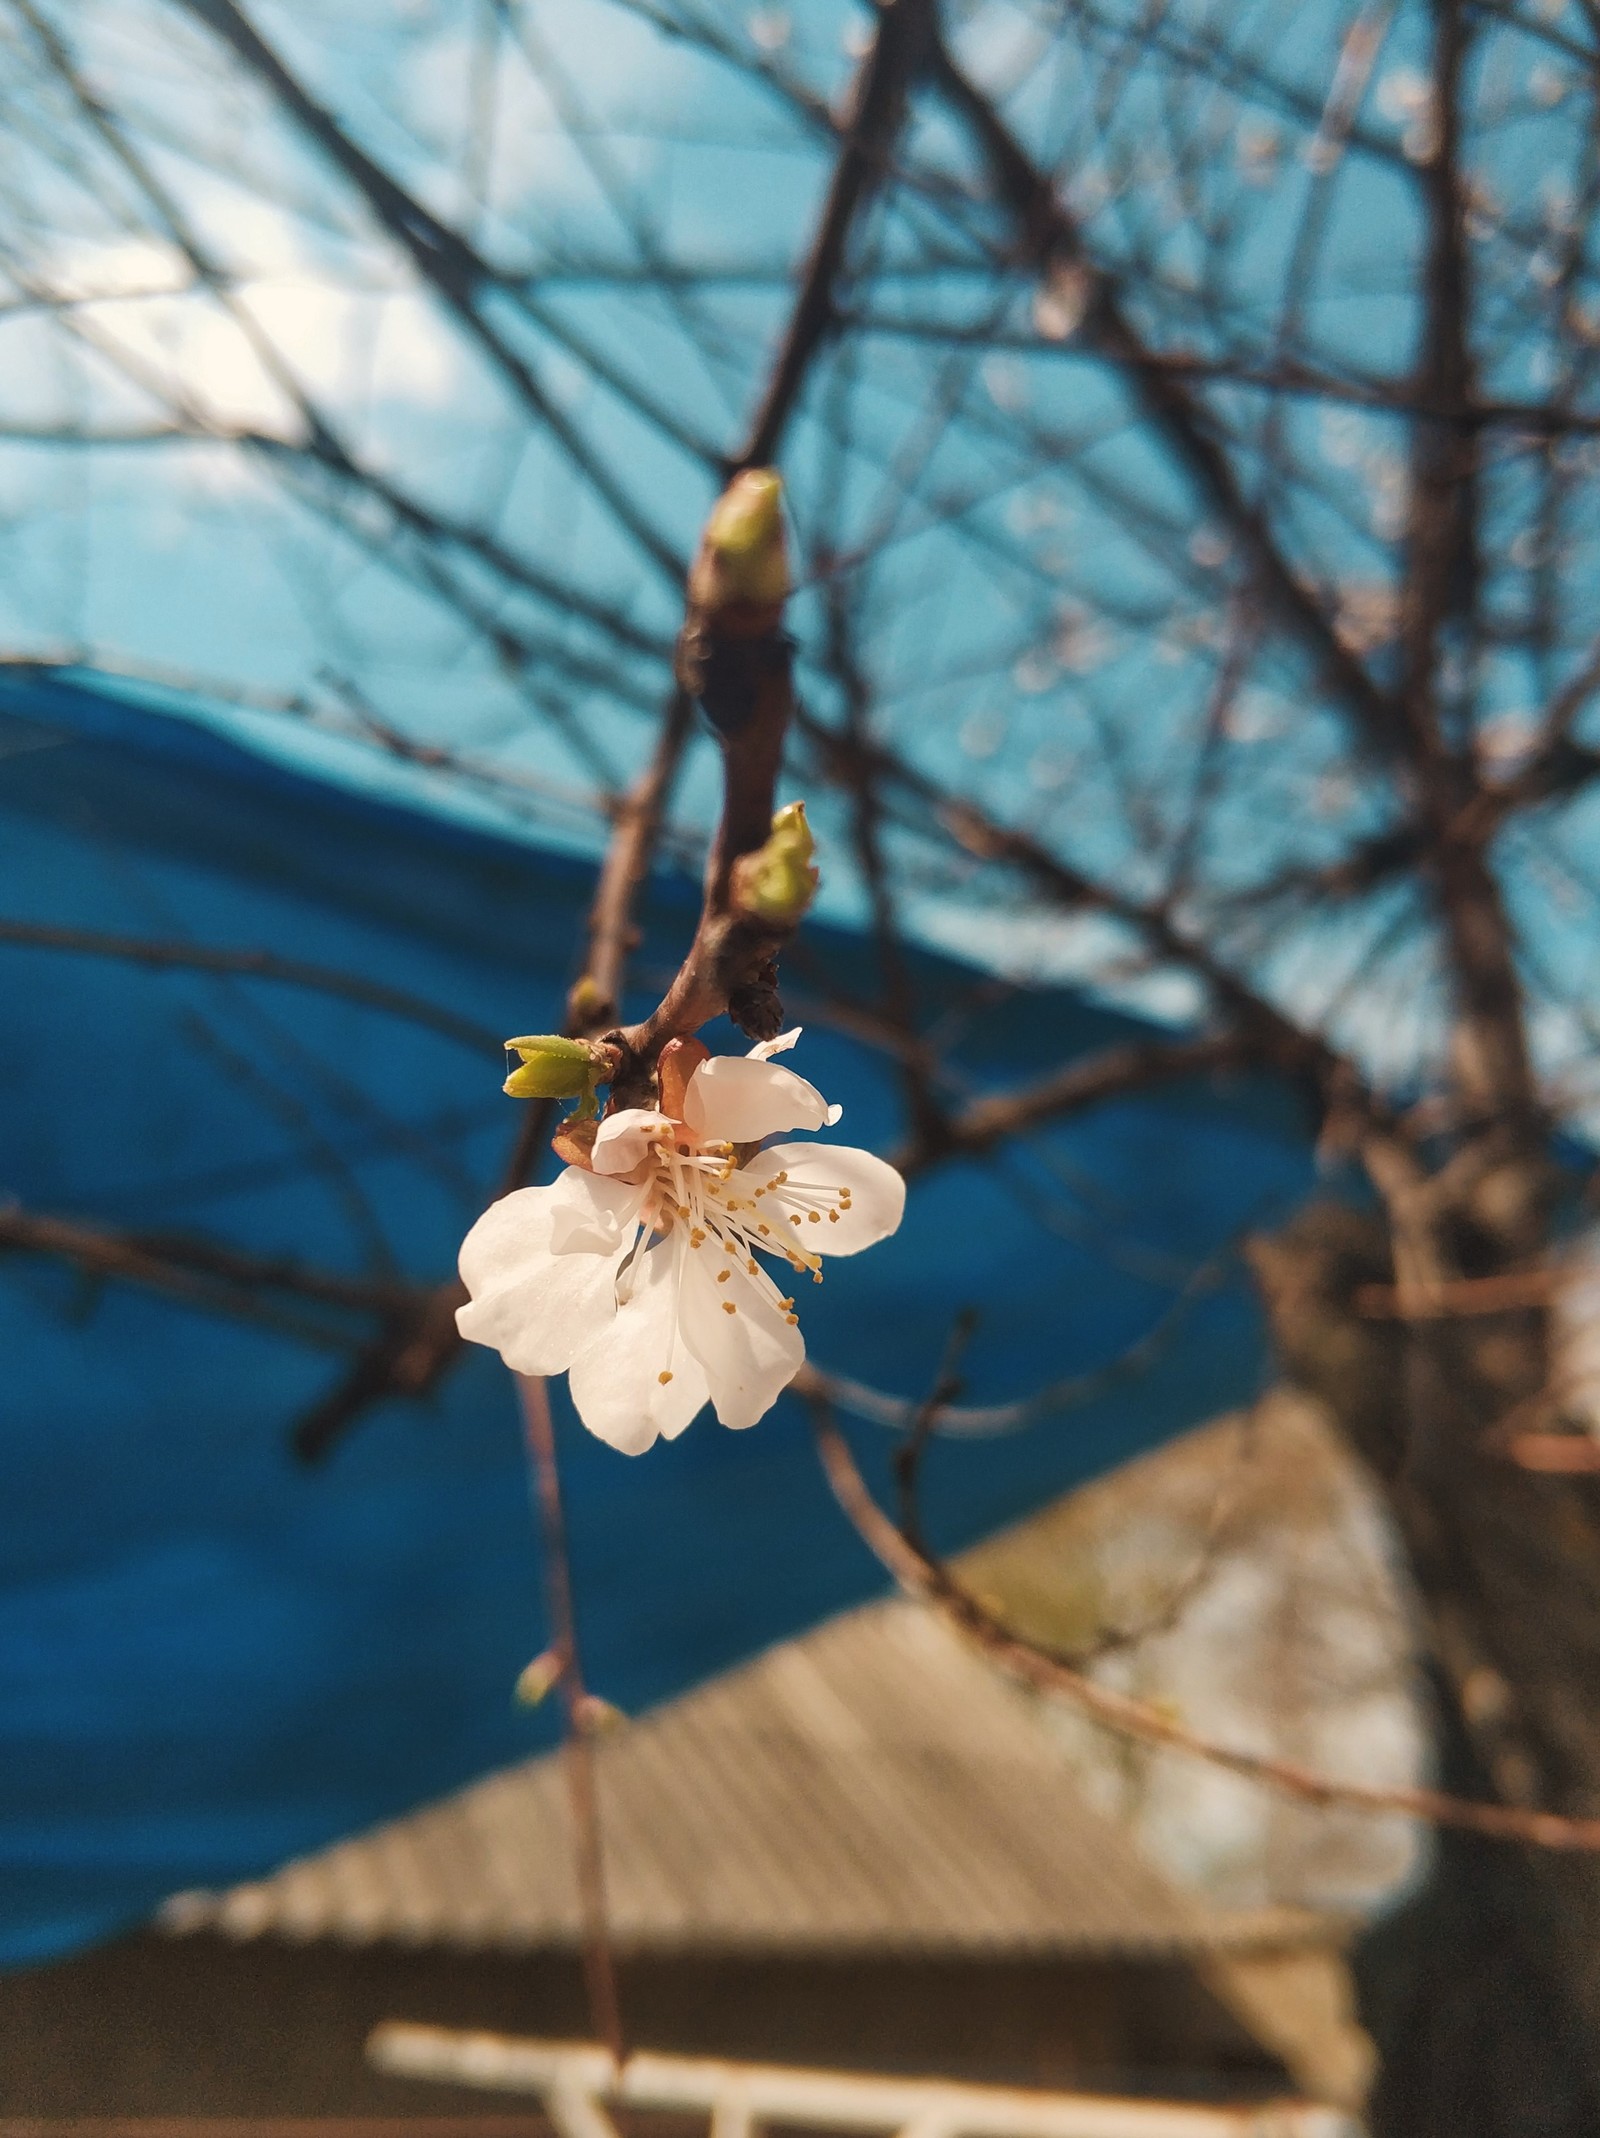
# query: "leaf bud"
{"points": [[743, 555], [550, 1068], [539, 1679], [778, 881]]}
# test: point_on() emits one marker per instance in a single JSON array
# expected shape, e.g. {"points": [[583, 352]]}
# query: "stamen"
{"points": [[663, 1378], [728, 1307], [723, 1275]]}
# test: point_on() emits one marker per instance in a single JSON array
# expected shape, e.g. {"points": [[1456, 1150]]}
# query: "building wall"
{"points": [[199, 2026]]}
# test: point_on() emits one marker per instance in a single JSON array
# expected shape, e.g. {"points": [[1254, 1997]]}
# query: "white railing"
{"points": [[576, 2081]]}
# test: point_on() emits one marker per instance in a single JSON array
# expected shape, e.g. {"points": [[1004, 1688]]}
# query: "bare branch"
{"points": [[921, 1575], [253, 965], [1115, 1073], [866, 150]]}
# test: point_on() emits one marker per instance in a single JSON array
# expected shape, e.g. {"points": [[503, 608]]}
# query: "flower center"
{"points": [[696, 1186]]}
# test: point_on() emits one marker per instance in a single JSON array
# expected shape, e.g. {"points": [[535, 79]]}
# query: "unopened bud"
{"points": [[743, 554], [595, 1715], [778, 881], [588, 1004], [551, 1068], [539, 1679]]}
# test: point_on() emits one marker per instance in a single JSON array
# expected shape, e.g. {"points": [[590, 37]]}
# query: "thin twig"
{"points": [[866, 149], [578, 1761], [252, 965], [923, 1576]]}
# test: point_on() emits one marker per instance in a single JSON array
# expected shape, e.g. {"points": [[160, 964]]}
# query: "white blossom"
{"points": [[642, 1274]]}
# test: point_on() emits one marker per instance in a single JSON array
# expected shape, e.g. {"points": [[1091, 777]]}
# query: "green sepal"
{"points": [[550, 1068]]}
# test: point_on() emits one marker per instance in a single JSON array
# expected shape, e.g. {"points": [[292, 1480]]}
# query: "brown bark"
{"points": [[1483, 1990]]}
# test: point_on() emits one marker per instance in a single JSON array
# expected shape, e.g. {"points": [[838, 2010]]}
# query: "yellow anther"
{"points": [[794, 1220], [728, 1307], [793, 1320], [728, 1248], [751, 1267], [663, 1378], [816, 1276], [767, 1229], [833, 1217], [814, 1215], [723, 1275]]}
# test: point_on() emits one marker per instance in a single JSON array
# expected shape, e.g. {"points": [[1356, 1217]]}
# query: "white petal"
{"points": [[816, 1171], [616, 1379], [592, 1213], [535, 1307], [764, 1049], [733, 1099], [624, 1140], [751, 1354]]}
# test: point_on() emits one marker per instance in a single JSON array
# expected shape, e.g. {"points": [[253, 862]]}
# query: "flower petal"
{"points": [[743, 1338], [592, 1213], [623, 1141], [616, 1378], [818, 1172], [535, 1307], [764, 1049], [735, 1099]]}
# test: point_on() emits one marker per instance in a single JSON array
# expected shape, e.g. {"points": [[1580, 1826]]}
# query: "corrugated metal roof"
{"points": [[875, 1787]]}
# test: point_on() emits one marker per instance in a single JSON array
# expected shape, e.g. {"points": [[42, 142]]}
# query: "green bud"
{"points": [[778, 882], [551, 1068], [596, 1716], [743, 553], [588, 1002], [539, 1679]]}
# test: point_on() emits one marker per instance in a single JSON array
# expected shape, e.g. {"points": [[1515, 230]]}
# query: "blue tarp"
{"points": [[211, 1658]]}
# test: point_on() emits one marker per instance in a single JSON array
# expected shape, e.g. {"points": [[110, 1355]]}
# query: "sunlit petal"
{"points": [[535, 1307], [764, 1049], [591, 1213], [844, 1199], [735, 1099], [745, 1339], [624, 1141], [637, 1381]]}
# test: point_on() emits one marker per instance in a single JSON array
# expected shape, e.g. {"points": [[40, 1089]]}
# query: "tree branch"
{"points": [[876, 112], [1049, 239], [253, 965], [1115, 1073], [922, 1575]]}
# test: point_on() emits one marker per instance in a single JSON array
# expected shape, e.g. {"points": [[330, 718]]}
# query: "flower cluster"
{"points": [[642, 1271]]}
